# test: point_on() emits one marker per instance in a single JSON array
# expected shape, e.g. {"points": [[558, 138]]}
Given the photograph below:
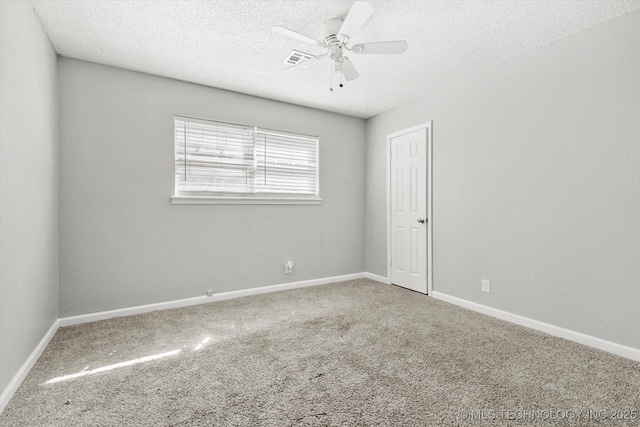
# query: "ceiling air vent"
{"points": [[296, 57]]}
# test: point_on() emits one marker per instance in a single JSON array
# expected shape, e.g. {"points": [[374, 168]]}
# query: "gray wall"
{"points": [[123, 243], [28, 186], [536, 183]]}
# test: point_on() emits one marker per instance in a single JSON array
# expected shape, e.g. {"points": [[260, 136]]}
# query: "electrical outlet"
{"points": [[288, 267], [209, 292], [486, 286]]}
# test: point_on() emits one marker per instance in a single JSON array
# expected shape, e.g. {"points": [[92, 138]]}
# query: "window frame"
{"points": [[231, 198]]}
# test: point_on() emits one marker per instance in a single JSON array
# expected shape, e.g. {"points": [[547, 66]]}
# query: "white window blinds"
{"points": [[286, 163], [214, 158]]}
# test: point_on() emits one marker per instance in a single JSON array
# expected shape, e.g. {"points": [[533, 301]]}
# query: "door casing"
{"points": [[429, 132]]}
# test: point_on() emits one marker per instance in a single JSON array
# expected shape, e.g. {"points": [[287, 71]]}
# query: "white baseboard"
{"points": [[17, 379], [128, 311], [580, 338], [377, 278]]}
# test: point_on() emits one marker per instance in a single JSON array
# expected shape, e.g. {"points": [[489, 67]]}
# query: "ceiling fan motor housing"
{"points": [[333, 43], [330, 30]]}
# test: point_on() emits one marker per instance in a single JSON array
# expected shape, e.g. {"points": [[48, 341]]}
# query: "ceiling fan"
{"points": [[338, 35]]}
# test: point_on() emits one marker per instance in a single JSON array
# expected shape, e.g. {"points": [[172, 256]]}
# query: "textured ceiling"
{"points": [[229, 44]]}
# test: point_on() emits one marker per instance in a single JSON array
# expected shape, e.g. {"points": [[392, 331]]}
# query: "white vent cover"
{"points": [[296, 57]]}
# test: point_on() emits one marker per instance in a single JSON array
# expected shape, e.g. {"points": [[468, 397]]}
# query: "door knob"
{"points": [[421, 220]]}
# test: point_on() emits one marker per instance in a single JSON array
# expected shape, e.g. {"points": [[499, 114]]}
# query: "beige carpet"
{"points": [[357, 353]]}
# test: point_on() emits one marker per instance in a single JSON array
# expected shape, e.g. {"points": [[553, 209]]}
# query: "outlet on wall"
{"points": [[486, 286], [288, 267]]}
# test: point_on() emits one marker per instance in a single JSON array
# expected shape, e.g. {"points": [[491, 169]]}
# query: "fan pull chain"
{"points": [[331, 77]]}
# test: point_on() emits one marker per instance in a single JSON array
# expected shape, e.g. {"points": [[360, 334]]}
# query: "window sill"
{"points": [[201, 200]]}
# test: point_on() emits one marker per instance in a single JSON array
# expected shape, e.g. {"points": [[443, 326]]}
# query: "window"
{"points": [[228, 163]]}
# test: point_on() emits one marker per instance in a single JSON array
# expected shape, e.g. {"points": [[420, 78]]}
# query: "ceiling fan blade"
{"points": [[298, 36], [348, 70], [387, 48], [358, 14]]}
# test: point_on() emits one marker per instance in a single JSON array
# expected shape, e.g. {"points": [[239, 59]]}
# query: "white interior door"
{"points": [[408, 194]]}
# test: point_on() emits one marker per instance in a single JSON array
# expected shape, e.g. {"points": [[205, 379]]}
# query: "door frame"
{"points": [[429, 131]]}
